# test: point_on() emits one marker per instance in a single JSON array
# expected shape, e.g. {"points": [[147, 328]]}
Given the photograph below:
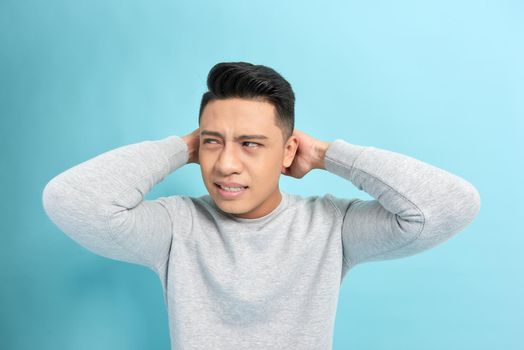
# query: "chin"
{"points": [[230, 209], [223, 203]]}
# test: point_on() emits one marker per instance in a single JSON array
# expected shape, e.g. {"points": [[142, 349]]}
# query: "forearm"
{"points": [[110, 182], [425, 199]]}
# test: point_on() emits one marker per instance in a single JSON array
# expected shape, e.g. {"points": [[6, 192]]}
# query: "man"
{"points": [[249, 266]]}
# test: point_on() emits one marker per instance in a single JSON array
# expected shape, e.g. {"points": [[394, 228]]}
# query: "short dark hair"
{"points": [[259, 82]]}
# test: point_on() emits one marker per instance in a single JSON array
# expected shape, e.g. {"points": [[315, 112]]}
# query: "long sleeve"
{"points": [[415, 207], [100, 203]]}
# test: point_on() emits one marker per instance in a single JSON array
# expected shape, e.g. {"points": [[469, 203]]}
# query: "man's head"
{"points": [[246, 100]]}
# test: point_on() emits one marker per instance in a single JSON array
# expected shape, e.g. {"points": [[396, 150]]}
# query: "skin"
{"points": [[257, 163]]}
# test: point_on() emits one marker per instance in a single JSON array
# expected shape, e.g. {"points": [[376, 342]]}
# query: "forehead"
{"points": [[237, 115]]}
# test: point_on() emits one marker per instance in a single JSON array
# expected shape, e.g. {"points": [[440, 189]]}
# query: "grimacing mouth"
{"points": [[218, 186]]}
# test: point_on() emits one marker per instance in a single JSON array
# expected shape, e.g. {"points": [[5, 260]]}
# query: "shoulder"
{"points": [[176, 203], [339, 205], [326, 203]]}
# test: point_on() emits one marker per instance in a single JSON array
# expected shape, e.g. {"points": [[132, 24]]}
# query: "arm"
{"points": [[416, 205], [100, 203]]}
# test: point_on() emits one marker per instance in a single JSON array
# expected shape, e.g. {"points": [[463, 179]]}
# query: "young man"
{"points": [[249, 266]]}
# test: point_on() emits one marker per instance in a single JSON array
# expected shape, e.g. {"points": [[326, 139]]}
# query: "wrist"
{"points": [[190, 148], [319, 152]]}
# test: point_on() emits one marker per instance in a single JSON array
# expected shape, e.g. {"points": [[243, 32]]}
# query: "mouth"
{"points": [[230, 192]]}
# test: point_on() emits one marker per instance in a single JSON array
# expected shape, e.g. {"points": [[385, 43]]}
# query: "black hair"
{"points": [[258, 82]]}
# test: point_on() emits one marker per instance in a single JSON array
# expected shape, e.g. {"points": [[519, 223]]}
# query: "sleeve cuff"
{"points": [[176, 149], [340, 157]]}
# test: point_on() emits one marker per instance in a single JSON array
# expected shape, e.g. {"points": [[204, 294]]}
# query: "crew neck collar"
{"points": [[278, 208]]}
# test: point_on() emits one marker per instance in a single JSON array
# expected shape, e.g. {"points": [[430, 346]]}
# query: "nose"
{"points": [[228, 161]]}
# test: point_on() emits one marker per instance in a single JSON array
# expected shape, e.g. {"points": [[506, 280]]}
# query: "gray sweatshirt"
{"points": [[266, 283]]}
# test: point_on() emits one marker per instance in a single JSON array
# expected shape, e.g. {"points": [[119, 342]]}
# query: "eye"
{"points": [[254, 143], [205, 141]]}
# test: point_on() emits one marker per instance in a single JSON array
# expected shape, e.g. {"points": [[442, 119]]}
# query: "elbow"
{"points": [[73, 212], [58, 202], [468, 205], [49, 198], [467, 211], [474, 202], [55, 202], [453, 212]]}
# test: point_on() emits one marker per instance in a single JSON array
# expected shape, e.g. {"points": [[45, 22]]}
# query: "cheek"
{"points": [[205, 160], [205, 169], [267, 172]]}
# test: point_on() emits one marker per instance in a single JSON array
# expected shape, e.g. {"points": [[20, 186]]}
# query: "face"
{"points": [[241, 143]]}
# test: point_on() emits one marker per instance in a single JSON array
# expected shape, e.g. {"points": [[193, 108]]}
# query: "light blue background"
{"points": [[442, 81]]}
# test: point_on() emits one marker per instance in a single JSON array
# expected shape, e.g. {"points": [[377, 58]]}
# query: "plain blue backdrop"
{"points": [[441, 81]]}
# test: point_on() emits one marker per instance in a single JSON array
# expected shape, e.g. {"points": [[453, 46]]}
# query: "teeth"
{"points": [[232, 189]]}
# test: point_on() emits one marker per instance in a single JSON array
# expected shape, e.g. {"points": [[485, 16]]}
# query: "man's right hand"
{"points": [[193, 143]]}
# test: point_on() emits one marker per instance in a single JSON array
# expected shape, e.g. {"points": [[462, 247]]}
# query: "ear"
{"points": [[290, 150]]}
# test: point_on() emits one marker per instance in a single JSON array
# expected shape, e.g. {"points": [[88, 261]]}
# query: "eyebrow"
{"points": [[241, 137]]}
